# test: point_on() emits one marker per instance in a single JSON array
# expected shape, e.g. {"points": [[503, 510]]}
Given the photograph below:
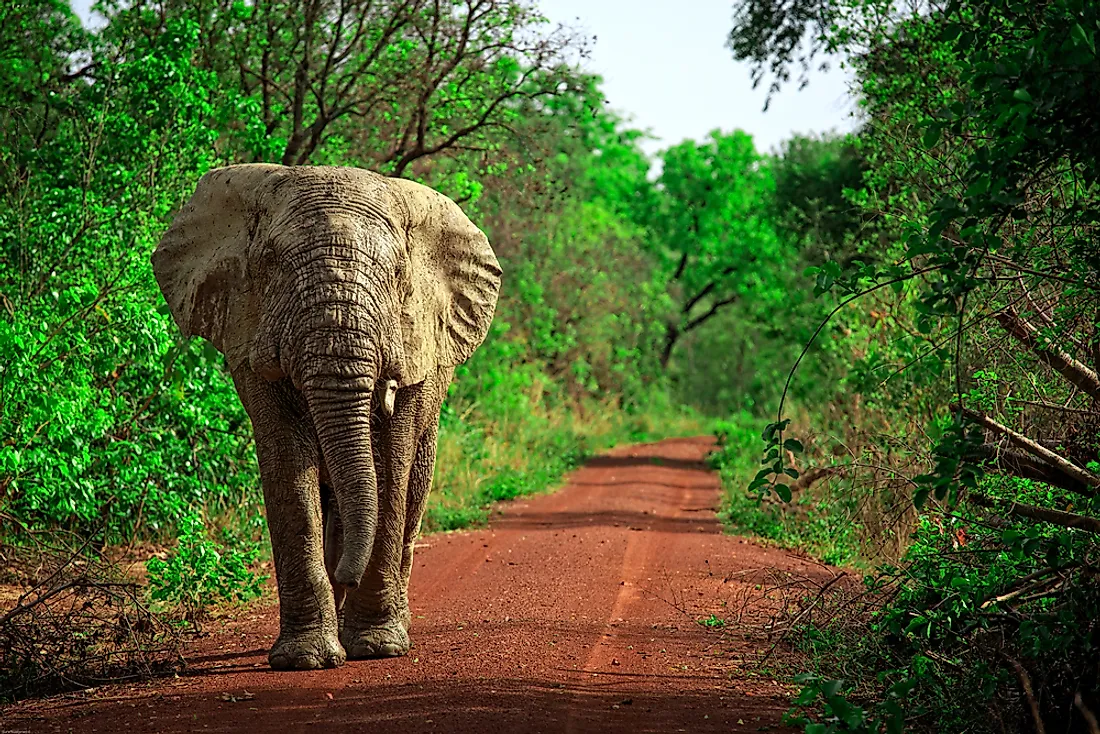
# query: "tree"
{"points": [[712, 232], [777, 35], [387, 84], [812, 176]]}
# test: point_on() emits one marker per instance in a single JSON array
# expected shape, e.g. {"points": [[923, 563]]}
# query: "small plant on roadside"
{"points": [[202, 572], [713, 622]]}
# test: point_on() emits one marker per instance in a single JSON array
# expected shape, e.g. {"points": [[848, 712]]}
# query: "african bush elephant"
{"points": [[342, 301]]}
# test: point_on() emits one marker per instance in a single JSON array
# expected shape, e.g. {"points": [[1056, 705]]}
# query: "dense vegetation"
{"points": [[971, 352]]}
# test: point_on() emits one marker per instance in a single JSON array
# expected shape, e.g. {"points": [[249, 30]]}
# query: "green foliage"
{"points": [[733, 231], [814, 177], [838, 714], [711, 229], [824, 523], [713, 622], [202, 573], [109, 425], [973, 279]]}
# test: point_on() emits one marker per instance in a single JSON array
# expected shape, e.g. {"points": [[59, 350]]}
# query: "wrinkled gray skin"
{"points": [[342, 301]]}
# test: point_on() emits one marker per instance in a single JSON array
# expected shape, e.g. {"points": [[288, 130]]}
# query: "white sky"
{"points": [[666, 68]]}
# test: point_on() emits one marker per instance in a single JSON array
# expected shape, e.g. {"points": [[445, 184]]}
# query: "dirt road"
{"points": [[573, 612]]}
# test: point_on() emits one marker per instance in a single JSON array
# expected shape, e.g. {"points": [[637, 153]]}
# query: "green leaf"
{"points": [[932, 135], [783, 492], [1082, 37]]}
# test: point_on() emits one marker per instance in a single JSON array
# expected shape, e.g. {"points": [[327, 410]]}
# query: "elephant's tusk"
{"points": [[391, 397]]}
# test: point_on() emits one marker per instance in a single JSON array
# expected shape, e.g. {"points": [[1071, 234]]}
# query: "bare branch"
{"points": [[681, 267], [1034, 448], [693, 301], [1050, 354], [717, 306]]}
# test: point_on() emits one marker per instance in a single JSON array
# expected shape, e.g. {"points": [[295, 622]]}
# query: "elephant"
{"points": [[342, 301]]}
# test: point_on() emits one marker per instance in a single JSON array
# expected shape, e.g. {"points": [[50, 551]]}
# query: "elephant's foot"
{"points": [[309, 650], [387, 640]]}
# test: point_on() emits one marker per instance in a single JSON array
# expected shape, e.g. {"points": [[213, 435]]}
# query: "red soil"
{"points": [[572, 612]]}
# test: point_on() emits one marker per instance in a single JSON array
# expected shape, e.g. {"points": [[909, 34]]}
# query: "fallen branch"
{"points": [[1022, 584], [1076, 372], [1054, 517], [1034, 448], [1018, 464], [1024, 588], [809, 608], [812, 476]]}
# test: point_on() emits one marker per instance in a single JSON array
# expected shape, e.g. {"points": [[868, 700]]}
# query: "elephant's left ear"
{"points": [[453, 278]]}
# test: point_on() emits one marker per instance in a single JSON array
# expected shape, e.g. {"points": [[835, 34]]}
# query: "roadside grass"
{"points": [[525, 451]]}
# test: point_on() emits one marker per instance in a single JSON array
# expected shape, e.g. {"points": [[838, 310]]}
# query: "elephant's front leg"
{"points": [[420, 475], [420, 484], [289, 457], [374, 622]]}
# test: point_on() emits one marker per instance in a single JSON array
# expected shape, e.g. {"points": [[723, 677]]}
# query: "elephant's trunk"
{"points": [[332, 347], [341, 415]]}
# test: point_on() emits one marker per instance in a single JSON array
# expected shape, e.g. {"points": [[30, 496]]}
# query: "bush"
{"points": [[202, 573]]}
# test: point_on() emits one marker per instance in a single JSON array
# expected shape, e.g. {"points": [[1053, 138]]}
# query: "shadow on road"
{"points": [[606, 703], [624, 462], [701, 520]]}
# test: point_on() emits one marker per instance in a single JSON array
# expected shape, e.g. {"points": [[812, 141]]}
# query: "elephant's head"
{"points": [[334, 278]]}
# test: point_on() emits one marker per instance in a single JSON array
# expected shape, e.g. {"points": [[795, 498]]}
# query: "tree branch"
{"points": [[1054, 517], [1050, 354], [812, 476], [1024, 466], [698, 321], [681, 267], [691, 303], [1035, 449]]}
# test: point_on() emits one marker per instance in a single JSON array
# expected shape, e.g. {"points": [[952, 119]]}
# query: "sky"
{"points": [[667, 70], [665, 66]]}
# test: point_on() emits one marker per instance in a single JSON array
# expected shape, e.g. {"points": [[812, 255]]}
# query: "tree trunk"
{"points": [[672, 335]]}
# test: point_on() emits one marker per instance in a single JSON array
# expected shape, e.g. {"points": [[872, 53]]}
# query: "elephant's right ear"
{"points": [[201, 263]]}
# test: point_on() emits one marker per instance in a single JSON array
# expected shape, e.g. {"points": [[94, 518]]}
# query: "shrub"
{"points": [[201, 573]]}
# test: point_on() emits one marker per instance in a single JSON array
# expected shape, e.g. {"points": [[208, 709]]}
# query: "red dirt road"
{"points": [[572, 612]]}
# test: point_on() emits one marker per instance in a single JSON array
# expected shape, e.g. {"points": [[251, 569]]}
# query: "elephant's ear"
{"points": [[453, 280], [201, 263]]}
